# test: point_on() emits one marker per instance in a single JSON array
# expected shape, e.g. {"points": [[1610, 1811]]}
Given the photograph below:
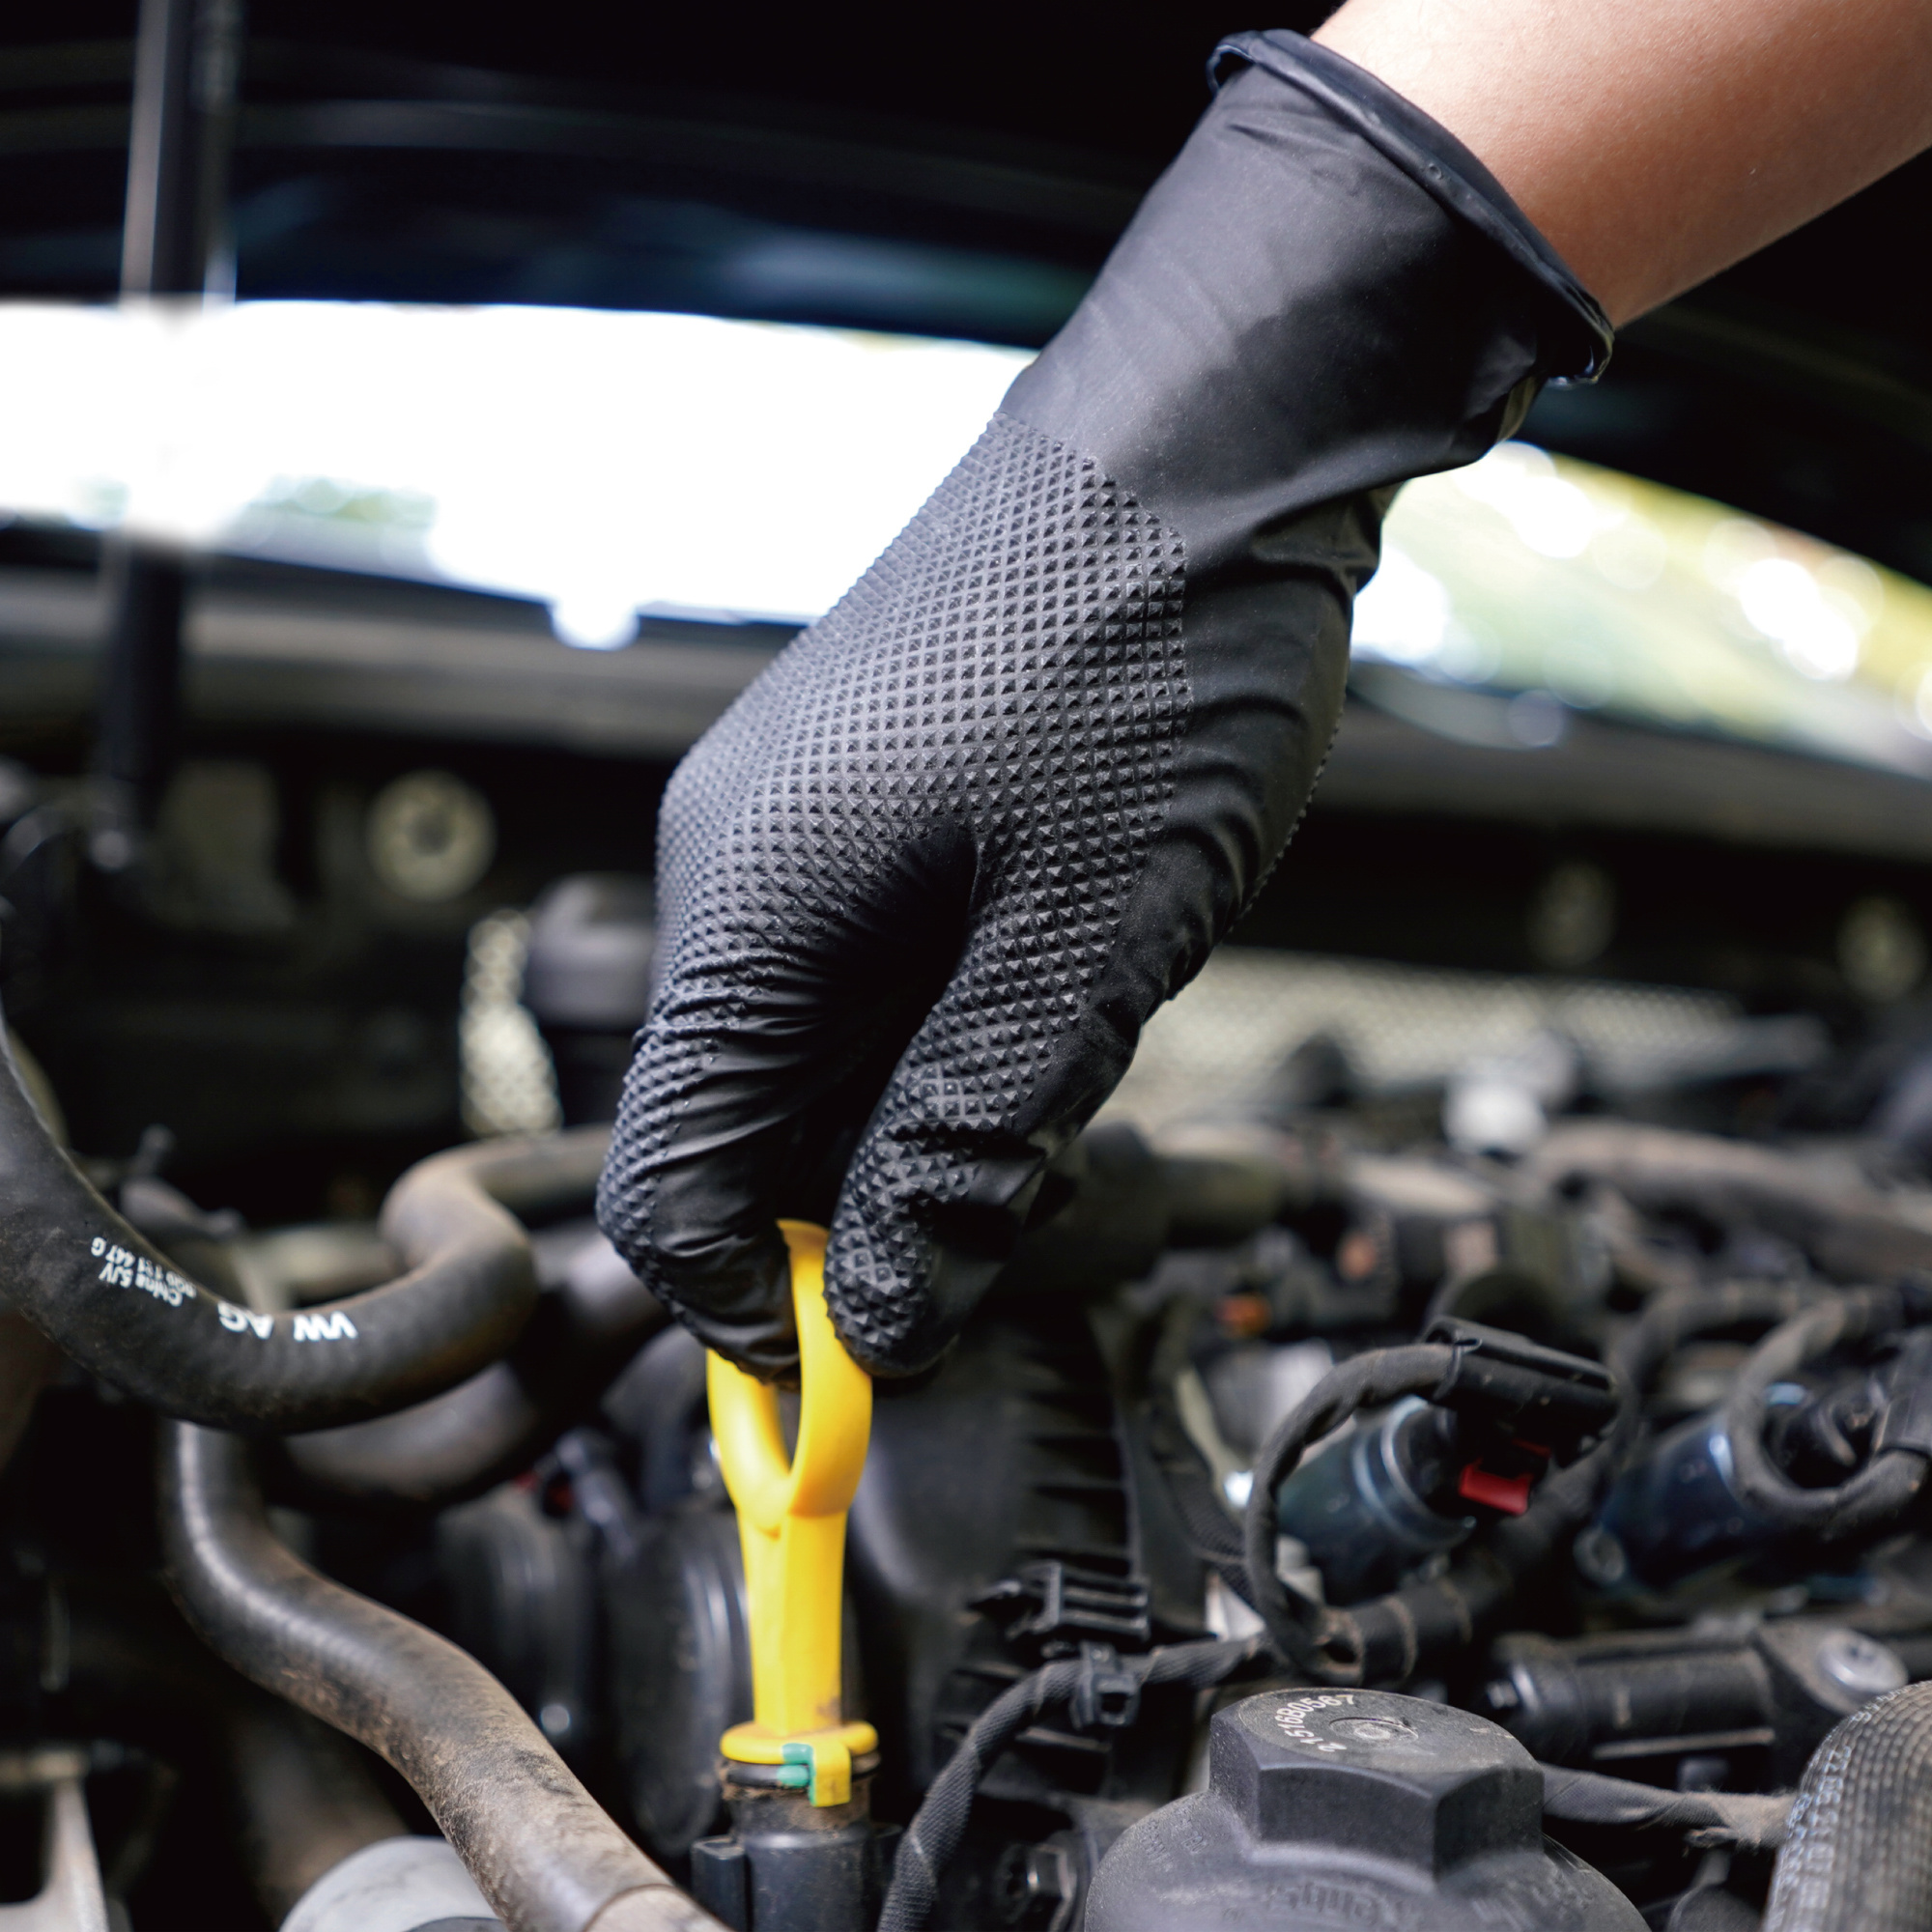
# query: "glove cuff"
{"points": [[1578, 349]]}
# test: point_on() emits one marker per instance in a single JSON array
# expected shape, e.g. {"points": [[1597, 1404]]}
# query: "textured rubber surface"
{"points": [[999, 698], [1857, 1857]]}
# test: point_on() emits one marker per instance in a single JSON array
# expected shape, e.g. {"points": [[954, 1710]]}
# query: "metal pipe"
{"points": [[541, 1850], [186, 72]]}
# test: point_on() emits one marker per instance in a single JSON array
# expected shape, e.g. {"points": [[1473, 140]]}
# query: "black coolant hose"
{"points": [[1857, 1854], [114, 1303], [543, 1852], [456, 1445]]}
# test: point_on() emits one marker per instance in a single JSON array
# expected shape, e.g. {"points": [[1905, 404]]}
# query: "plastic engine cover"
{"points": [[1356, 1808]]}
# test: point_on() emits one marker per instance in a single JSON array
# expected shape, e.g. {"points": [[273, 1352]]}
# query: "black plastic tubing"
{"points": [[113, 1302], [539, 1846]]}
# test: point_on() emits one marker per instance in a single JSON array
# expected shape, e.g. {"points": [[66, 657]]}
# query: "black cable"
{"points": [[1324, 1644], [1709, 1819], [934, 1835], [1883, 1489]]}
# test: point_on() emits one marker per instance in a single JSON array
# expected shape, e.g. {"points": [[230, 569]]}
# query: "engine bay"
{"points": [[1456, 1404]]}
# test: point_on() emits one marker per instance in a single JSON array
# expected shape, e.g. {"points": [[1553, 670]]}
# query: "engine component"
{"points": [[1857, 1856], [304, 1793], [1351, 1806], [70, 1897], [1102, 1692], [1020, 1462], [680, 1670], [1365, 1507], [1710, 1490], [1533, 1401], [1651, 1696], [538, 1845], [402, 1885], [1674, 1531], [588, 980], [1827, 1207], [114, 1303], [1384, 1498], [792, 1865], [586, 1327], [1675, 1511], [524, 1606]]}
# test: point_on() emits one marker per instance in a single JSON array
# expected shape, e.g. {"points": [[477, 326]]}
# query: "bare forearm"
{"points": [[1657, 141]]}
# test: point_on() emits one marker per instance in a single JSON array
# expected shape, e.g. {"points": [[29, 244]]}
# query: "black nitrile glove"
{"points": [[923, 885]]}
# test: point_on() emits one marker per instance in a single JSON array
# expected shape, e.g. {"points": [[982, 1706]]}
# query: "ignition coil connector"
{"points": [[1377, 1502], [1781, 1470]]}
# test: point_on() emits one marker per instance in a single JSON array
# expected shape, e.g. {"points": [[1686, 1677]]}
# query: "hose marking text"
{"points": [[121, 1267], [334, 1326]]}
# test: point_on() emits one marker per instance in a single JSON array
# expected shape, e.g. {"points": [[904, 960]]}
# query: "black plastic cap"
{"points": [[1373, 1774]]}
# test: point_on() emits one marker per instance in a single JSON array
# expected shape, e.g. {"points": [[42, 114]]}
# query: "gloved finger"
{"points": [[1022, 1047], [776, 1021]]}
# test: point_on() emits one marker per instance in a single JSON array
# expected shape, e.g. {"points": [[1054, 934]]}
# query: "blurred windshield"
{"points": [[1585, 590], [608, 464]]}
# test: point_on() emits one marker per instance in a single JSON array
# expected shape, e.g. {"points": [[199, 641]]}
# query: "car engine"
{"points": [[1488, 1496]]}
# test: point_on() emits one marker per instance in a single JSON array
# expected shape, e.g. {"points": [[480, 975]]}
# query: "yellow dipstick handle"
{"points": [[791, 1521]]}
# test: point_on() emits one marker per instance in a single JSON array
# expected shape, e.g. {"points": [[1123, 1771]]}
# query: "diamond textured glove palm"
{"points": [[923, 885]]}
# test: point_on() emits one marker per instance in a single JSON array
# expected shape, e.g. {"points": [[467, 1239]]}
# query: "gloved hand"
{"points": [[923, 885]]}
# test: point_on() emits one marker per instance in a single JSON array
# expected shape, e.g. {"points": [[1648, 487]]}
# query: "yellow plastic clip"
{"points": [[791, 1521]]}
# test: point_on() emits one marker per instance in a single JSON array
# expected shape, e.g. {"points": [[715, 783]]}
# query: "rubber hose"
{"points": [[27, 1359], [1852, 1230], [939, 1825], [1326, 1644], [1857, 1854], [82, 1276], [477, 1435], [1882, 1489], [539, 1847]]}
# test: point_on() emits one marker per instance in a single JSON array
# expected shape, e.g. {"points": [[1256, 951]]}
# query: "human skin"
{"points": [[1655, 142]]}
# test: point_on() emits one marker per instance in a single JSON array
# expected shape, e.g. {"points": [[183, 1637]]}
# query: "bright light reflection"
{"points": [[1402, 614], [1785, 602], [1554, 517], [600, 461]]}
